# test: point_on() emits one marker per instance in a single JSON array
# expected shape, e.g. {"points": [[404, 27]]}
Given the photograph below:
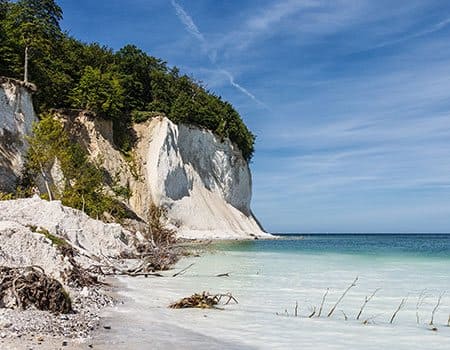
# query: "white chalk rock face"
{"points": [[16, 120], [204, 183], [19, 247], [93, 237]]}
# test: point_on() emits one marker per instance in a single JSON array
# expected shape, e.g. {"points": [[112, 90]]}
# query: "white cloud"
{"points": [[187, 21], [241, 88], [192, 28]]}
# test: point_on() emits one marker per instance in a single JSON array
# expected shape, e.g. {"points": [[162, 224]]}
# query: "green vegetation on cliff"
{"points": [[117, 85], [83, 181]]}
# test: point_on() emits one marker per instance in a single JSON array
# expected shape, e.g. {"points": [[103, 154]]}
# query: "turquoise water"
{"points": [[407, 245], [269, 277]]}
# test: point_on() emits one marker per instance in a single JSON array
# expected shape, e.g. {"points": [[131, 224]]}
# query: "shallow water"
{"points": [[269, 277]]}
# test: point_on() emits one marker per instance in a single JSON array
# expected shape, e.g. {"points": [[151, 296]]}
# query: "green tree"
{"points": [[117, 85], [98, 92], [34, 24]]}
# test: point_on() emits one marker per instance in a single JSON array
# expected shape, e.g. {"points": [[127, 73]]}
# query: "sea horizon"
{"points": [[358, 233]]}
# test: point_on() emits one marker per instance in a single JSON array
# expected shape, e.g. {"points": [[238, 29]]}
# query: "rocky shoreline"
{"points": [[44, 330], [83, 256], [78, 253]]}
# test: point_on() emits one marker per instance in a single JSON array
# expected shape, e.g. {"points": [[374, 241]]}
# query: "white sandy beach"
{"points": [[268, 283]]}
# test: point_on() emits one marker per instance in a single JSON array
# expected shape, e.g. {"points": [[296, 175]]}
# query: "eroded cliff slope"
{"points": [[16, 119], [203, 182]]}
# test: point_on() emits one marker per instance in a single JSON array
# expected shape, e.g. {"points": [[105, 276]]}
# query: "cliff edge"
{"points": [[202, 181]]}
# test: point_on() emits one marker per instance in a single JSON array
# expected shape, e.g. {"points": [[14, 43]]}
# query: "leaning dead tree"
{"points": [[313, 312], [342, 297], [323, 301], [436, 307], [179, 273], [366, 300], [420, 302], [400, 306]]}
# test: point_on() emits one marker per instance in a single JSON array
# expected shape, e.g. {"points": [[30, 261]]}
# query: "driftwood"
{"points": [[77, 276], [342, 297], [420, 302], [202, 301], [400, 306], [323, 301], [152, 260], [313, 312], [31, 287], [223, 274], [438, 303], [179, 273], [366, 300]]}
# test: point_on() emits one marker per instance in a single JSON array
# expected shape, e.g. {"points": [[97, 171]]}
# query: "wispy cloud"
{"points": [[192, 28], [270, 16], [187, 21], [427, 31], [241, 88]]}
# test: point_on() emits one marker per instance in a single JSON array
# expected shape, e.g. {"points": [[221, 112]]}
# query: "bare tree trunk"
{"points": [[25, 74], [44, 177], [342, 297], [435, 308], [366, 300], [323, 301], [420, 301], [84, 203], [402, 304], [312, 313]]}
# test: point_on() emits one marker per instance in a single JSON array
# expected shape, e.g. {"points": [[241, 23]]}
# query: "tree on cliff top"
{"points": [[116, 85], [34, 24]]}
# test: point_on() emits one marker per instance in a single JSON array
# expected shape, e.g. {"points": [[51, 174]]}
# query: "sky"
{"points": [[349, 99]]}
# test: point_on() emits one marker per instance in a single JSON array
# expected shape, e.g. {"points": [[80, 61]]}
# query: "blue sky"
{"points": [[349, 99]]}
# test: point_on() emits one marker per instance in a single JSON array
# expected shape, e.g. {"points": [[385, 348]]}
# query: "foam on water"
{"points": [[269, 277]]}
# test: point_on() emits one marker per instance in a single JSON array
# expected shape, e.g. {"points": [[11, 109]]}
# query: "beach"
{"points": [[269, 277]]}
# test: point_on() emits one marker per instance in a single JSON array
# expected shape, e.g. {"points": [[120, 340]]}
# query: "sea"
{"points": [[295, 292]]}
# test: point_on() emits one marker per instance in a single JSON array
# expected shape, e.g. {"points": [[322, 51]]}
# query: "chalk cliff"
{"points": [[16, 119], [203, 182]]}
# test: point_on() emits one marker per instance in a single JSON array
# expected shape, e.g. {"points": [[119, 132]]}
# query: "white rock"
{"points": [[16, 120], [93, 236], [19, 246], [203, 182]]}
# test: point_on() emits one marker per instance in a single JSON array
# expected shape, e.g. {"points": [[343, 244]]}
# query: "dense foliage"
{"points": [[116, 85], [83, 180]]}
